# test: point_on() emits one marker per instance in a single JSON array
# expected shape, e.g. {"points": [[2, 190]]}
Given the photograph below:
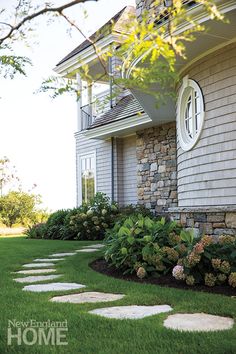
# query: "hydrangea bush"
{"points": [[209, 261], [88, 222], [145, 246], [91, 220]]}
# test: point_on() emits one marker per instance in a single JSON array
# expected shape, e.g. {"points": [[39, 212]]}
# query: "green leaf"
{"points": [[187, 236]]}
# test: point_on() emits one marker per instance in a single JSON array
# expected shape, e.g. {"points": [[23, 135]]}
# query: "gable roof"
{"points": [[127, 107], [115, 24]]}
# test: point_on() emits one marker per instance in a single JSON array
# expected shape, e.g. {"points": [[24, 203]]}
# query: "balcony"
{"points": [[91, 111]]}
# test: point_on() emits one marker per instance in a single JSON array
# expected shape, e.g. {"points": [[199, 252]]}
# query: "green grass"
{"points": [[90, 334]]}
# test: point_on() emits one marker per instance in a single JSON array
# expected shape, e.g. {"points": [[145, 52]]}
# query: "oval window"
{"points": [[190, 115]]}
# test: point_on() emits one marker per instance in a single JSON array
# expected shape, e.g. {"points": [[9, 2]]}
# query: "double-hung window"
{"points": [[87, 177]]}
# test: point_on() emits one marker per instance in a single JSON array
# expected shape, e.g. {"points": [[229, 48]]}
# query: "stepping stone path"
{"points": [[198, 322], [87, 250], [39, 288], [48, 259], [87, 297], [182, 322], [131, 312], [36, 271], [62, 254], [38, 265], [37, 278]]}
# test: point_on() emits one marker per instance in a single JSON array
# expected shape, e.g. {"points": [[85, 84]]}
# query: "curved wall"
{"points": [[207, 173]]}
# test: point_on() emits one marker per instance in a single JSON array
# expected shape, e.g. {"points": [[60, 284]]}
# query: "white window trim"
{"points": [[185, 141], [80, 156]]}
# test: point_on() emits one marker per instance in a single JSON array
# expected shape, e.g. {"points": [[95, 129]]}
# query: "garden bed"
{"points": [[101, 266]]}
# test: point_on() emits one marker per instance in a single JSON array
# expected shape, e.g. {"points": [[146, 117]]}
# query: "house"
{"points": [[179, 159]]}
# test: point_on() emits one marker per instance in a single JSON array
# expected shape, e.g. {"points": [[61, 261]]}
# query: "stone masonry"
{"points": [[156, 169], [208, 221]]}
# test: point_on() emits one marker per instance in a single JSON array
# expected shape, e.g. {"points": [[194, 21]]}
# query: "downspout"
{"points": [[112, 138], [112, 169]]}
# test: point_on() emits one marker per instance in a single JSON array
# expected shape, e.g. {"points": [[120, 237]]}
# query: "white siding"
{"points": [[207, 173], [129, 170], [125, 166], [103, 160]]}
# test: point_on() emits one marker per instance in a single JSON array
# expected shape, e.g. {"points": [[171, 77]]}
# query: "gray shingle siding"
{"points": [[206, 174]]}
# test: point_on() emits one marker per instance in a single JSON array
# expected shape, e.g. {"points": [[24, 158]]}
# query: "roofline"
{"points": [[87, 55], [105, 130]]}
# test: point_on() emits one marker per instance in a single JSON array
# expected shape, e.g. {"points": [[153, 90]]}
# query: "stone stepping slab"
{"points": [[48, 259], [98, 245], [198, 322], [38, 265], [86, 297], [35, 271], [131, 312], [37, 278], [38, 288], [62, 254], [87, 250]]}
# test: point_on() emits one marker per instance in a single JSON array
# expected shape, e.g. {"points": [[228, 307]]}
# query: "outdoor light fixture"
{"points": [[168, 3]]}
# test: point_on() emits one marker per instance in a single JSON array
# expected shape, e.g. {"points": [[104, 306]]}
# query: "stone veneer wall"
{"points": [[209, 221], [156, 167]]}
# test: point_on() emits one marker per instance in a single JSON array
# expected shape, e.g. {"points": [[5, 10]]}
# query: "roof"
{"points": [[128, 106], [115, 24]]}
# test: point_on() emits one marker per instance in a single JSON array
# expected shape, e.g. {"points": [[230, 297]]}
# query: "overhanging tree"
{"points": [[18, 25]]}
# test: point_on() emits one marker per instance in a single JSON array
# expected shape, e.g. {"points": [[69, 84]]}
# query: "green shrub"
{"points": [[55, 226], [36, 231], [135, 209], [144, 245], [209, 261], [90, 221]]}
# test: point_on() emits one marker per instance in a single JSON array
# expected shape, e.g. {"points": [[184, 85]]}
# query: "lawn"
{"points": [[91, 334]]}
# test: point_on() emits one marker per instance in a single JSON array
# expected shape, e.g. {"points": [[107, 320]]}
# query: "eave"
{"points": [[120, 127], [87, 56]]}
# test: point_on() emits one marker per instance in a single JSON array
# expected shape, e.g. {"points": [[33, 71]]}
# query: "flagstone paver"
{"points": [[87, 297], [198, 322], [87, 250], [131, 312], [48, 259], [62, 254], [35, 271], [38, 265], [98, 245], [53, 287], [37, 278]]}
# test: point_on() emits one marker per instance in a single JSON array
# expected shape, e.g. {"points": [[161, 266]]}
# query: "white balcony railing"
{"points": [[90, 112]]}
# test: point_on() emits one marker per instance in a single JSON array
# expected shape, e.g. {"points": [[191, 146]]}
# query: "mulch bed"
{"points": [[101, 266]]}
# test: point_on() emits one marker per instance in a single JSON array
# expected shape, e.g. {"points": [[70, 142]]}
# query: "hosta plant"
{"points": [[145, 246], [210, 261]]}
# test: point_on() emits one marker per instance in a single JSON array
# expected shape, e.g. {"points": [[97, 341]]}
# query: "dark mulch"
{"points": [[101, 266]]}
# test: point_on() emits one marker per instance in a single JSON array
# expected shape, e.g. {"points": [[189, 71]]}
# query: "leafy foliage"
{"points": [[154, 43], [144, 245], [20, 207], [88, 222], [36, 231], [10, 65], [209, 262]]}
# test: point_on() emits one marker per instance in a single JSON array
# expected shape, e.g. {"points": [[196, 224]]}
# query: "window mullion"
{"points": [[193, 112]]}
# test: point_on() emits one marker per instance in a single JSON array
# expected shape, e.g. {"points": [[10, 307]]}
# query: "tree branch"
{"points": [[73, 24], [43, 11]]}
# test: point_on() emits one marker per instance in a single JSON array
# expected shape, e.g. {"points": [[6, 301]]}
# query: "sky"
{"points": [[36, 132]]}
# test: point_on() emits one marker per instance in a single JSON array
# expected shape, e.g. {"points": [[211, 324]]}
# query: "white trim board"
{"points": [[117, 126]]}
